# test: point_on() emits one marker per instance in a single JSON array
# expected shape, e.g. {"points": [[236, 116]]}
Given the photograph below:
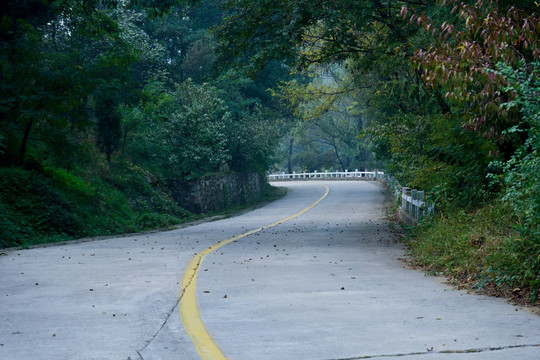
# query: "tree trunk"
{"points": [[24, 142], [289, 164], [126, 130], [336, 150]]}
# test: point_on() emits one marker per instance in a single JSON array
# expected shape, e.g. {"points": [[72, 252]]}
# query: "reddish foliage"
{"points": [[461, 60]]}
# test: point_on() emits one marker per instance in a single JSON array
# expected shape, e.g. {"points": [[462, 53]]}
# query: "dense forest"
{"points": [[103, 102]]}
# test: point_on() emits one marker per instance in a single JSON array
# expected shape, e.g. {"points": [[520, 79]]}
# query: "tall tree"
{"points": [[53, 60], [463, 56]]}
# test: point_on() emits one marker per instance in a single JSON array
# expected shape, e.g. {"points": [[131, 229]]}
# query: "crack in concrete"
{"points": [[173, 309], [159, 330], [195, 270], [428, 352]]}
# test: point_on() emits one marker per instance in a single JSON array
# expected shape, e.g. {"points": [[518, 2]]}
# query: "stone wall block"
{"points": [[217, 192]]}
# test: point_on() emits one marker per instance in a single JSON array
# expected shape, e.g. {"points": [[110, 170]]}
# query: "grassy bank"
{"points": [[481, 250], [51, 204]]}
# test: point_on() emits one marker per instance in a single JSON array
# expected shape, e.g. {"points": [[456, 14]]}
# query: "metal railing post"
{"points": [[421, 205], [403, 198], [414, 204]]}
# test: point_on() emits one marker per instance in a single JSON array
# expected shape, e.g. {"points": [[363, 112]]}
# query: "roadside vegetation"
{"points": [[480, 249], [493, 244], [55, 205]]}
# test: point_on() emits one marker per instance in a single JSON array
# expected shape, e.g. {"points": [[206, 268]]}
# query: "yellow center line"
{"points": [[188, 306]]}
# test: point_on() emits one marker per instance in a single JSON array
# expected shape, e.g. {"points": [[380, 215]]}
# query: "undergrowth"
{"points": [[54, 204], [482, 249]]}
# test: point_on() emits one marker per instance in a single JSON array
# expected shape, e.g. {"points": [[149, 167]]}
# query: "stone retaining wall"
{"points": [[217, 192]]}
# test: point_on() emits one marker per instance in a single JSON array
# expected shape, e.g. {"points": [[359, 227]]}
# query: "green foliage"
{"points": [[306, 32], [51, 71], [473, 248], [326, 136], [251, 137], [439, 111], [517, 263], [59, 205], [143, 189], [31, 207], [185, 131], [70, 183], [522, 172], [152, 220], [200, 58], [463, 54], [435, 154], [106, 102]]}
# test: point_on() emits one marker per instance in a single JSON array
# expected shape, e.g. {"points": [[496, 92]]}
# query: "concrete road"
{"points": [[327, 284]]}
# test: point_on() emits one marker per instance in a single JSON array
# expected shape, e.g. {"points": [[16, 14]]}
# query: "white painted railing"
{"points": [[414, 203], [327, 175]]}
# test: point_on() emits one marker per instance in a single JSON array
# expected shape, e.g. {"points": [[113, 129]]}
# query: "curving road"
{"points": [[327, 283]]}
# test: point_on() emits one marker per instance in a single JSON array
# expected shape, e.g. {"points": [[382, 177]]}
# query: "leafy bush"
{"points": [[144, 190], [154, 220], [69, 182], [184, 131], [435, 154], [522, 171], [60, 204], [520, 258], [32, 207]]}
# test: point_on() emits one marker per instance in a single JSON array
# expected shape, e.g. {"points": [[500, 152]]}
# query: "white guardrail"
{"points": [[327, 175], [414, 203]]}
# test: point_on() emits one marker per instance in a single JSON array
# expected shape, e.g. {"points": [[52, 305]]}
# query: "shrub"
{"points": [[473, 248], [31, 207], [522, 171]]}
